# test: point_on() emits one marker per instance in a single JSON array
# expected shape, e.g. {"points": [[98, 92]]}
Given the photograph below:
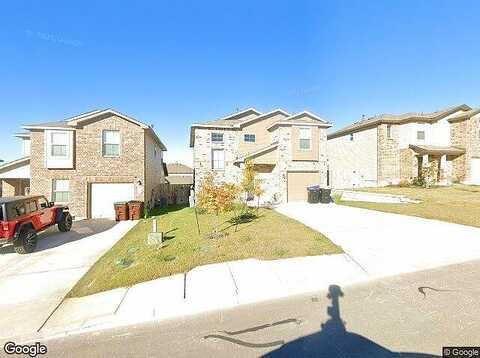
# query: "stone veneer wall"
{"points": [[458, 139], [202, 155], [275, 182], [408, 165], [90, 166], [286, 164], [472, 143], [388, 155]]}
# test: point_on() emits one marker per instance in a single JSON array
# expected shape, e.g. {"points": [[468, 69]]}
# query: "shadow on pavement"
{"points": [[334, 341], [52, 238]]}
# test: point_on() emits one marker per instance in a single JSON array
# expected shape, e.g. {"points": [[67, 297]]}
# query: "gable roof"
{"points": [[297, 120], [398, 119], [465, 115], [179, 168], [74, 122], [234, 121], [231, 120], [258, 152]]}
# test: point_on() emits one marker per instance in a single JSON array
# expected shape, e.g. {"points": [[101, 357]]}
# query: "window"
{"points": [[61, 191], [59, 146], [218, 159], [43, 203], [351, 137], [15, 210], [389, 131], [111, 143], [217, 137], [420, 135], [249, 138], [305, 138], [31, 206]]}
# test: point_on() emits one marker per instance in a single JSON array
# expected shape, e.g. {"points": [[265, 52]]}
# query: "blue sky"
{"points": [[172, 63]]}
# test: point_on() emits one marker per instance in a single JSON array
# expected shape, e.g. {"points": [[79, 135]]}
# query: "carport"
{"points": [[15, 177]]}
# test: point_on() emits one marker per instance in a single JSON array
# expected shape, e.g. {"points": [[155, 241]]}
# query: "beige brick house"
{"points": [[95, 159], [388, 149], [288, 151]]}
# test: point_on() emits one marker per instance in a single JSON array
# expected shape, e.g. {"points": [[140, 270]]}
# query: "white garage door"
{"points": [[476, 171], [103, 197]]}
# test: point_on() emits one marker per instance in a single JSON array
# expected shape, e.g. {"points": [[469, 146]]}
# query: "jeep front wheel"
{"points": [[26, 241], [66, 223]]}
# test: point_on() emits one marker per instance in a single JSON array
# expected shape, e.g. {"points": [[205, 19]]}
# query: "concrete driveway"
{"points": [[388, 244], [33, 285]]}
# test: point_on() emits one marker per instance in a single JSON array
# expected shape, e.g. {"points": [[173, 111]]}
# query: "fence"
{"points": [[175, 193]]}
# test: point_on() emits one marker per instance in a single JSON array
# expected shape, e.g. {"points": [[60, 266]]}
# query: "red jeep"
{"points": [[22, 217]]}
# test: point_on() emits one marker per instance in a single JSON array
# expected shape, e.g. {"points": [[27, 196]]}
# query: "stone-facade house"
{"points": [[95, 159], [389, 149], [288, 151]]}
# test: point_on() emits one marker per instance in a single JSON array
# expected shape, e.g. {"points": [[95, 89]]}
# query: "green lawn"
{"points": [[270, 235], [457, 203]]}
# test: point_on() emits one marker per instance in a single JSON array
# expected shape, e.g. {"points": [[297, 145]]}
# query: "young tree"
{"points": [[251, 186], [216, 198]]}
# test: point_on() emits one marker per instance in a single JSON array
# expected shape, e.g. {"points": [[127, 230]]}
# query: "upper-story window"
{"points": [[59, 149], [26, 147], [389, 131], [249, 138], [111, 143], [217, 137], [218, 159], [420, 135], [59, 146], [305, 138]]}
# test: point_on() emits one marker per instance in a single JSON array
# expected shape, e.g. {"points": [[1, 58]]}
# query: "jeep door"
{"points": [[46, 213]]}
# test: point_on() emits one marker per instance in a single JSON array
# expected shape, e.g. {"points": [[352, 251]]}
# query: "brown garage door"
{"points": [[298, 183]]}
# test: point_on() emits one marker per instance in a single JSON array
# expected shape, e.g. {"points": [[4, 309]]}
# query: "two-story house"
{"points": [[288, 151], [95, 159], [388, 149]]}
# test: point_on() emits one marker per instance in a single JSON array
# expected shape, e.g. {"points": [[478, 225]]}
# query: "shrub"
{"points": [[216, 198]]}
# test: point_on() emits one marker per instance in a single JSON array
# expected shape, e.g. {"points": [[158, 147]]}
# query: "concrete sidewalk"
{"points": [[32, 286], [204, 289]]}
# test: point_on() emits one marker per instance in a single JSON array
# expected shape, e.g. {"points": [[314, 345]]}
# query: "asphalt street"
{"points": [[411, 315]]}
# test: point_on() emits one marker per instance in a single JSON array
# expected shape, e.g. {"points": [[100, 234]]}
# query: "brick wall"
{"points": [[154, 175], [90, 166]]}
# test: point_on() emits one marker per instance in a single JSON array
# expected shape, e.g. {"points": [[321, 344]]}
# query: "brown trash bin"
{"points": [[135, 209], [121, 211]]}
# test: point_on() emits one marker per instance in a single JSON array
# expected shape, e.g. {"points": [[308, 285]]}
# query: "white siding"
{"points": [[353, 163]]}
